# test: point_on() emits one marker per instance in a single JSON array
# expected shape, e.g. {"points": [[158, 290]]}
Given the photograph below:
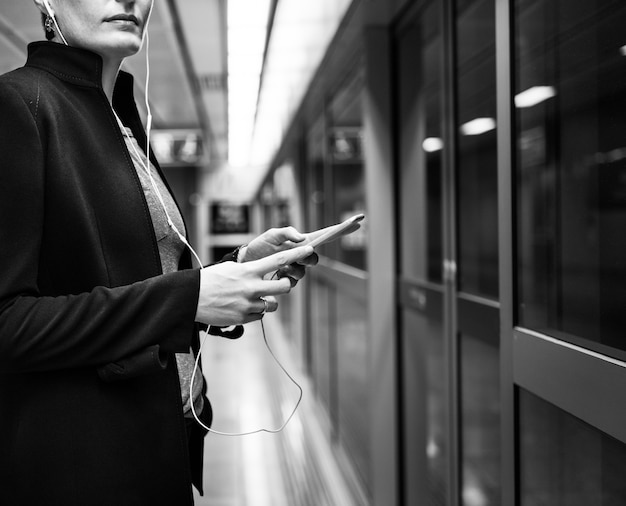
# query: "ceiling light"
{"points": [[247, 29], [432, 144], [533, 96], [478, 126]]}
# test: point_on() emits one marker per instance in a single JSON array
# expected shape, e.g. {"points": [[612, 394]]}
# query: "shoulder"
{"points": [[27, 102], [20, 87], [22, 78], [34, 89]]}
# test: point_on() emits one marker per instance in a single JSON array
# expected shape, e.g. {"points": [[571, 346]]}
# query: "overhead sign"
{"points": [[229, 218], [178, 147], [346, 144]]}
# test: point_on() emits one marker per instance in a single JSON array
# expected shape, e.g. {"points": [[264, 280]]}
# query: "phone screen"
{"points": [[333, 232]]}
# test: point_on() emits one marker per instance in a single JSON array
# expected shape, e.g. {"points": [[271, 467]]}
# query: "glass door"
{"points": [[569, 255], [474, 227], [425, 435], [448, 216]]}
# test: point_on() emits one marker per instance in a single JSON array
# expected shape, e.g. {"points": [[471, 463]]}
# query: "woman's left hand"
{"points": [[273, 241]]}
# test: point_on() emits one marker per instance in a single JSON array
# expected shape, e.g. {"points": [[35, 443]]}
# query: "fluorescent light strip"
{"points": [[478, 126], [247, 28], [533, 96]]}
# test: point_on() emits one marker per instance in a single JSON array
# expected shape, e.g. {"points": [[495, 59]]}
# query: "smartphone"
{"points": [[324, 235]]}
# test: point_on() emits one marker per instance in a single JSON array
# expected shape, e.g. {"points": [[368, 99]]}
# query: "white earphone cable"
{"points": [[256, 431]]}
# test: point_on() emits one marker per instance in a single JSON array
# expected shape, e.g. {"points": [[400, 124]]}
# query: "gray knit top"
{"points": [[170, 248]]}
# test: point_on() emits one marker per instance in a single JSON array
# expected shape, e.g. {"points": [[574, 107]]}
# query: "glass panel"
{"points": [[419, 55], [421, 145], [477, 226], [480, 428], [314, 176], [321, 340], [353, 389], [565, 462], [316, 345], [348, 173], [571, 169], [425, 414], [477, 180], [281, 208]]}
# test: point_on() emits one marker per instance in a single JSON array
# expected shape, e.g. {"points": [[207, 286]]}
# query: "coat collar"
{"points": [[80, 67], [76, 66]]}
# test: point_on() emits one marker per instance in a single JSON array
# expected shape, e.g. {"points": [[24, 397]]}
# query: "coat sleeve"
{"points": [[38, 332]]}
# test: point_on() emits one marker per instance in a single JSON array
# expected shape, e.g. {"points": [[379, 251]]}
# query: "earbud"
{"points": [[48, 8]]}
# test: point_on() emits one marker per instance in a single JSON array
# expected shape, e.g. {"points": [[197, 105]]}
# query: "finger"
{"points": [[291, 279], [267, 304], [284, 237], [294, 272], [252, 317], [272, 303], [290, 234], [276, 261], [271, 287], [310, 261], [262, 306]]}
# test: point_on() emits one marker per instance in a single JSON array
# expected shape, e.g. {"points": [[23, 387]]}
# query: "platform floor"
{"points": [[248, 391]]}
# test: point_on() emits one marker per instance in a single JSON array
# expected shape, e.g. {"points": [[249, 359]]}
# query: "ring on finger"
{"points": [[265, 306]]}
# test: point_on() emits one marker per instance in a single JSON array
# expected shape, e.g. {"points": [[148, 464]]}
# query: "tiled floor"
{"points": [[295, 467]]}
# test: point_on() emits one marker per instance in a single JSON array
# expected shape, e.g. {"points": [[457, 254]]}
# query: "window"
{"points": [[565, 461], [347, 184], [570, 103]]}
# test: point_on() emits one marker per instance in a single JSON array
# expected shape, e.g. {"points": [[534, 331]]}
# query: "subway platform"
{"points": [[248, 391]]}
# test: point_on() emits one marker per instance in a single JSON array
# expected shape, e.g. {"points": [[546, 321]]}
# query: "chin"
{"points": [[124, 49]]}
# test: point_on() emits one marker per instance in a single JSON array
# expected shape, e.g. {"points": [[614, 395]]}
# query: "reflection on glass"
{"points": [[570, 99], [279, 204], [315, 175], [347, 184], [480, 430], [477, 225], [337, 341], [564, 461], [352, 381], [477, 151], [425, 414], [420, 148], [321, 342], [421, 144]]}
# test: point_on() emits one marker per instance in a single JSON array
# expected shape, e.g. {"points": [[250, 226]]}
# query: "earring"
{"points": [[49, 24]]}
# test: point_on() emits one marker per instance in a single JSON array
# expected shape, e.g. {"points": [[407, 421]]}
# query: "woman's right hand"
{"points": [[230, 293]]}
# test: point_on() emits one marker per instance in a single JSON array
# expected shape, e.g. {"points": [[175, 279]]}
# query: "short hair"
{"points": [[49, 33]]}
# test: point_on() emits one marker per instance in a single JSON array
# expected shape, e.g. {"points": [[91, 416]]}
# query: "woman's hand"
{"points": [[230, 293], [273, 241]]}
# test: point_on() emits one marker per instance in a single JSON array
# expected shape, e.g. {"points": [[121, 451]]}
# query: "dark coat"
{"points": [[81, 287]]}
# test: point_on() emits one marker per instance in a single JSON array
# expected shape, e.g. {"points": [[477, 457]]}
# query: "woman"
{"points": [[99, 306]]}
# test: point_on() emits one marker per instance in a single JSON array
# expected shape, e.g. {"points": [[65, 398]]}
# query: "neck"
{"points": [[110, 69]]}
